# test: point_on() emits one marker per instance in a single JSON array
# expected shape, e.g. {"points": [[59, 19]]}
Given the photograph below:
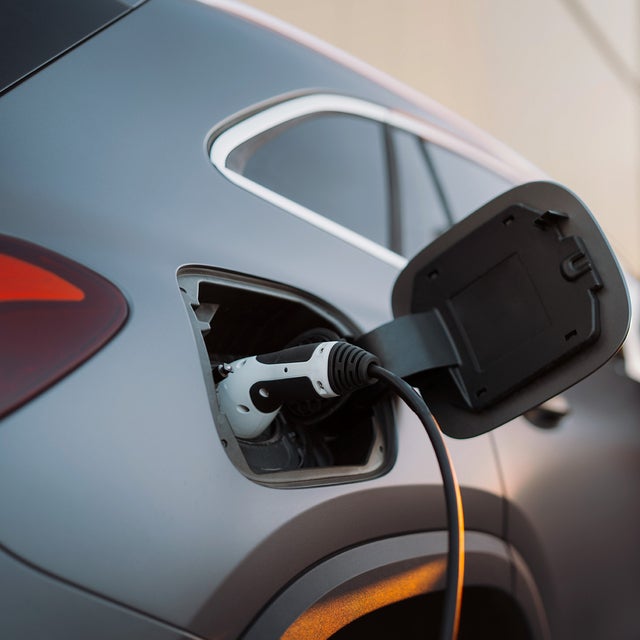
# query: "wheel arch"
{"points": [[368, 578]]}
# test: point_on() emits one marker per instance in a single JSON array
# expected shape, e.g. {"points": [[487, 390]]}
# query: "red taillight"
{"points": [[54, 314]]}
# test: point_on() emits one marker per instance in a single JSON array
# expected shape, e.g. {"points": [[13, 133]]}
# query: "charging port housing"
{"points": [[235, 316]]}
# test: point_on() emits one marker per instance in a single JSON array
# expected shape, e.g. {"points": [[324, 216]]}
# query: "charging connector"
{"points": [[255, 388]]}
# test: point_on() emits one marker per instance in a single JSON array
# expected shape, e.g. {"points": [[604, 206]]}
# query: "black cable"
{"points": [[260, 385], [453, 499]]}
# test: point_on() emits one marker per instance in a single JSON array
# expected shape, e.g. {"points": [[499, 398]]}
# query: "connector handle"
{"points": [[256, 387]]}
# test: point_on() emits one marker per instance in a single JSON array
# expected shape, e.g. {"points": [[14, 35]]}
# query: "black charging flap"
{"points": [[511, 306]]}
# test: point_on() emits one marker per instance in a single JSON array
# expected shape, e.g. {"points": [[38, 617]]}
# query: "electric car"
{"points": [[188, 184]]}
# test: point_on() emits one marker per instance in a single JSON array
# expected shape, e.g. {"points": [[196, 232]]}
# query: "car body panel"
{"points": [[115, 480], [573, 508], [130, 481], [36, 605]]}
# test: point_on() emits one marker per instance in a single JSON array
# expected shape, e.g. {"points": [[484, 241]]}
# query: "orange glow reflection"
{"points": [[334, 612]]}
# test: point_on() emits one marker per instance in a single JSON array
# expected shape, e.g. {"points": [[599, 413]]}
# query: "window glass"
{"points": [[466, 185], [423, 215], [333, 164], [32, 32]]}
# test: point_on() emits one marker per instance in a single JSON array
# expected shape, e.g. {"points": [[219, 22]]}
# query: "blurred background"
{"points": [[556, 80]]}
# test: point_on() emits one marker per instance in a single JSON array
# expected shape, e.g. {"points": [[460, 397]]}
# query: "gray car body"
{"points": [[122, 515]]}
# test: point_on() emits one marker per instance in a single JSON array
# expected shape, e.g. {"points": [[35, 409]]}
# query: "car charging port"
{"points": [[309, 442]]}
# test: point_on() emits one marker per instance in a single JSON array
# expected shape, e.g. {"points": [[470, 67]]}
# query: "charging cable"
{"points": [[253, 390], [453, 499]]}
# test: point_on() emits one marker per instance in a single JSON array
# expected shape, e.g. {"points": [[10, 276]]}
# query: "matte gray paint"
{"points": [[34, 605], [114, 479], [574, 511]]}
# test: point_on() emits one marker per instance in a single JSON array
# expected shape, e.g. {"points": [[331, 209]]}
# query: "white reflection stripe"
{"points": [[291, 109]]}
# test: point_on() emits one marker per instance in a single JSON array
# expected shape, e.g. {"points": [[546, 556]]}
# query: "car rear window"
{"points": [[34, 32]]}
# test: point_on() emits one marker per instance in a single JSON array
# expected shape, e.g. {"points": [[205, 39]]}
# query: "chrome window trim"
{"points": [[225, 139]]}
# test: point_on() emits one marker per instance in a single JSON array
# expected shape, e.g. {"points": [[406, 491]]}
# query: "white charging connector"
{"points": [[256, 387]]}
